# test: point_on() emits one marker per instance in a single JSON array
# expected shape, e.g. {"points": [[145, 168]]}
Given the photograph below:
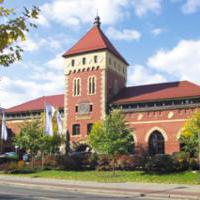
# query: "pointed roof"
{"points": [[94, 40]]}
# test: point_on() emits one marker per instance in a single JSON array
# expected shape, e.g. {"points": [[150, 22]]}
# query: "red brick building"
{"points": [[95, 83]]}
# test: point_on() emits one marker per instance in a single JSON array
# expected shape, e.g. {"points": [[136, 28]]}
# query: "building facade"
{"points": [[95, 83]]}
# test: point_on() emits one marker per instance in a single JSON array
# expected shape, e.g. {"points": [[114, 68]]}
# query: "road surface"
{"points": [[23, 193]]}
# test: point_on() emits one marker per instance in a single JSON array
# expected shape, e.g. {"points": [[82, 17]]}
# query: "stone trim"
{"points": [[103, 94], [156, 128], [158, 121]]}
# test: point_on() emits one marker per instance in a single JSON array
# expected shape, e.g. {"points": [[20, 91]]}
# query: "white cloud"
{"points": [[43, 80], [49, 43], [144, 6], [156, 31], [56, 63], [191, 6], [30, 45], [140, 75], [126, 34], [41, 21], [17, 91], [183, 61], [75, 12]]}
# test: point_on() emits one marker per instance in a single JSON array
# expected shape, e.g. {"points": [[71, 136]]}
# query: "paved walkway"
{"points": [[168, 191]]}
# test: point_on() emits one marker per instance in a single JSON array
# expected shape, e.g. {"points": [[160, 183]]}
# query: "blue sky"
{"points": [[159, 38]]}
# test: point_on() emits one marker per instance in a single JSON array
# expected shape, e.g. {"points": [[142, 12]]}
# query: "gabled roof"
{"points": [[156, 92], [93, 40], [38, 104]]}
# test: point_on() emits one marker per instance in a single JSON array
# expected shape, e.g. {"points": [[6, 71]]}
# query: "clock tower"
{"points": [[94, 73]]}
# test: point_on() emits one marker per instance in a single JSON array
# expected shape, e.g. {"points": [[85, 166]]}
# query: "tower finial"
{"points": [[97, 21]]}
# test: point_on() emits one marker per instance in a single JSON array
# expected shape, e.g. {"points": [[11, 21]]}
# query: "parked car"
{"points": [[8, 156]]}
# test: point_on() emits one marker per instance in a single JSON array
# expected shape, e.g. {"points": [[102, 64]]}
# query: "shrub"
{"points": [[160, 164], [125, 162], [104, 163], [84, 161], [181, 161], [51, 162], [193, 163], [9, 167]]}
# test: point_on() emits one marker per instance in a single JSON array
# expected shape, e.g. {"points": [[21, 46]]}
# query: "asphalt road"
{"points": [[24, 193]]}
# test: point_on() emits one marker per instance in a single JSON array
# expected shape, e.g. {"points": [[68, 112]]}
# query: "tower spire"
{"points": [[97, 21]]}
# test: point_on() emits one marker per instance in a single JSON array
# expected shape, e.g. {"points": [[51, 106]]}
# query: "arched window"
{"points": [[91, 85], [77, 83], [156, 143]]}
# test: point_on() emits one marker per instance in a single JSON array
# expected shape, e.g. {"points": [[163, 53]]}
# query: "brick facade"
{"points": [[148, 108]]}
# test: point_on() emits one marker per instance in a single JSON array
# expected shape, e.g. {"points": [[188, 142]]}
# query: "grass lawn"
{"points": [[121, 176]]}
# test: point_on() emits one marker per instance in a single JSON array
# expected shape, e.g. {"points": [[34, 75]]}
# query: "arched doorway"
{"points": [[156, 143]]}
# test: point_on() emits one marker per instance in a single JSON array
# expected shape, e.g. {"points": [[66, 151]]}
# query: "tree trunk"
{"points": [[114, 160], [42, 160]]}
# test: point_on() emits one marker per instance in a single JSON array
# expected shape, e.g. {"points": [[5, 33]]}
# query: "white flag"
{"points": [[59, 123], [4, 133], [49, 112]]}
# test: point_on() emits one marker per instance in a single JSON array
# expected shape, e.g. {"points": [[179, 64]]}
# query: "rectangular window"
{"points": [[73, 62], [84, 61], [92, 85], [89, 128], [77, 83], [76, 109], [76, 129], [91, 108], [95, 59]]}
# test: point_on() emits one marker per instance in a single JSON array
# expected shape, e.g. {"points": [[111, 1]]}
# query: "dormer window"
{"points": [[73, 62], [95, 59], [83, 61]]}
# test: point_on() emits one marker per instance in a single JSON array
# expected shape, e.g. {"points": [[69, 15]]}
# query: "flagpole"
{"points": [[1, 139]]}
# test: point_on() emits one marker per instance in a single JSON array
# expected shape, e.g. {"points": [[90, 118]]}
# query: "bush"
{"points": [[84, 161], [125, 162], [194, 164], [104, 163], [160, 164], [9, 167], [181, 161], [51, 162]]}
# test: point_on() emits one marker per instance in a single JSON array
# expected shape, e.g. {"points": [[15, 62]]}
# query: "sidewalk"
{"points": [[150, 190]]}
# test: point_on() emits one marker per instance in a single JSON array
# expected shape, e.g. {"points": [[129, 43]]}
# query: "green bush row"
{"points": [[89, 161]]}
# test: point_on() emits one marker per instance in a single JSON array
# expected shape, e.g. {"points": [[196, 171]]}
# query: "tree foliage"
{"points": [[33, 139], [189, 134], [13, 29], [112, 136], [30, 137]]}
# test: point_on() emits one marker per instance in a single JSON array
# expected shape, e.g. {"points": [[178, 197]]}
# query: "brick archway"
{"points": [[162, 131]]}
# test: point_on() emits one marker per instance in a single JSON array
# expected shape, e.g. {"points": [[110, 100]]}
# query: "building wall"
{"points": [[94, 100], [108, 70], [167, 122]]}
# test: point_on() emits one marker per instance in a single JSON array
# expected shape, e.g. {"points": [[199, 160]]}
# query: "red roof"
{"points": [[94, 40], [155, 92], [38, 104]]}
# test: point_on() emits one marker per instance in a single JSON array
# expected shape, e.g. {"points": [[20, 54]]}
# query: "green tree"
{"points": [[189, 134], [112, 136], [30, 138], [13, 29]]}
